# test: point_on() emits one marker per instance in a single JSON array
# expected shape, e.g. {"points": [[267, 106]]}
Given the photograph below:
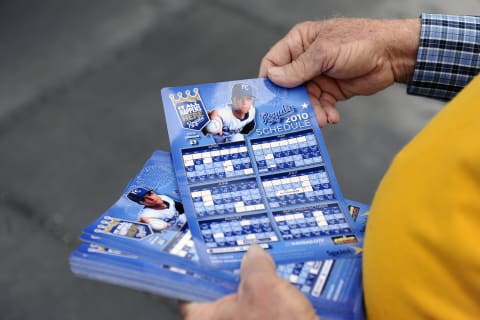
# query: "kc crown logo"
{"points": [[190, 109]]}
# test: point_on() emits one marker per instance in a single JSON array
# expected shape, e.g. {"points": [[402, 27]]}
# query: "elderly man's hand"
{"points": [[261, 295], [341, 58]]}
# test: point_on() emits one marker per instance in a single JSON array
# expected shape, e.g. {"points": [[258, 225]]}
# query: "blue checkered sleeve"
{"points": [[448, 55]]}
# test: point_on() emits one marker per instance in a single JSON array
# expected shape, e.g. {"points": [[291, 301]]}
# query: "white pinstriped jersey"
{"points": [[232, 126]]}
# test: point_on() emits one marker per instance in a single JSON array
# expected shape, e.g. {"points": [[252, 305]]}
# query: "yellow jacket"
{"points": [[422, 246]]}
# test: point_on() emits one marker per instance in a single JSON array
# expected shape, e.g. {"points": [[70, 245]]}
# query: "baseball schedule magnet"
{"points": [[252, 167]]}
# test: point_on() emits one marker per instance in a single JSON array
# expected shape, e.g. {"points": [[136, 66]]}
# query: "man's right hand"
{"points": [[261, 294], [341, 58]]}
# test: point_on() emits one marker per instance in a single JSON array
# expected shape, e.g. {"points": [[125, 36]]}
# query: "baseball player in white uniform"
{"points": [[159, 211], [231, 122]]}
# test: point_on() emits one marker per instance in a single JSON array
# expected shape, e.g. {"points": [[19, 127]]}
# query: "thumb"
{"points": [[295, 73], [256, 260]]}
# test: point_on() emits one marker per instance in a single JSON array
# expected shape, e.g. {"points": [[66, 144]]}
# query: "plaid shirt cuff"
{"points": [[448, 56]]}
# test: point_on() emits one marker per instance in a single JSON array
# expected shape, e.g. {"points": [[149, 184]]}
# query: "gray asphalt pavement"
{"points": [[80, 112]]}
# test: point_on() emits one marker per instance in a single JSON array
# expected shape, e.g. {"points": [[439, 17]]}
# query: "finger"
{"points": [[305, 67], [227, 308], [285, 50], [278, 55], [185, 308], [256, 260], [264, 65], [320, 114], [315, 92], [222, 308], [333, 116], [195, 310], [257, 276], [335, 88], [313, 89], [328, 103]]}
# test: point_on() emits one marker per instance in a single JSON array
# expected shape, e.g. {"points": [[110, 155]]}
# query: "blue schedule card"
{"points": [[149, 220], [252, 167]]}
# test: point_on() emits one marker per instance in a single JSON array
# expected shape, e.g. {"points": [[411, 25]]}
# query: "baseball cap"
{"points": [[243, 89], [138, 194]]}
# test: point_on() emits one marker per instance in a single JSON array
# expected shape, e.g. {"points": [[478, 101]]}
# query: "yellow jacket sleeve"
{"points": [[422, 245]]}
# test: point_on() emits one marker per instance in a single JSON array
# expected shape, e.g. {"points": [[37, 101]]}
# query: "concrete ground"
{"points": [[80, 111]]}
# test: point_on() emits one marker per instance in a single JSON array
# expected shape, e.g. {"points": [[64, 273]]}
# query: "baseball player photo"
{"points": [[231, 122], [159, 211]]}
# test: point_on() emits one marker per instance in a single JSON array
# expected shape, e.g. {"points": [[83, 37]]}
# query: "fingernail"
{"points": [[257, 260], [253, 251], [276, 72]]}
